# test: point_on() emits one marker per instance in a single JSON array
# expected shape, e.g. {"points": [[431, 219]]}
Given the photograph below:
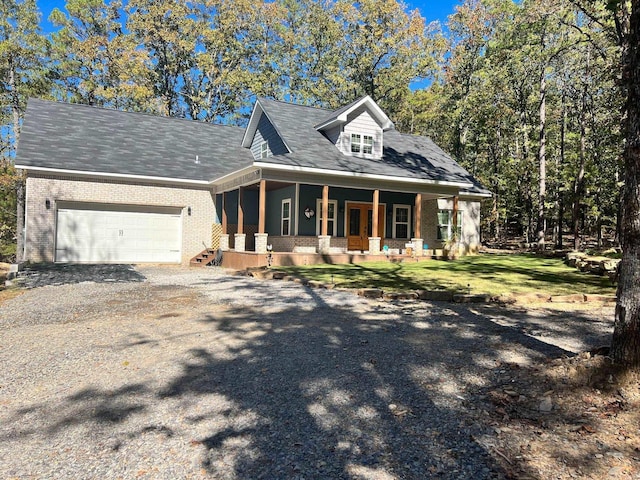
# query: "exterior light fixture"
{"points": [[47, 204], [189, 211], [309, 213]]}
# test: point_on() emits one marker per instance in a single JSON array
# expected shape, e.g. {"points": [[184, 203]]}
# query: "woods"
{"points": [[523, 95], [537, 99]]}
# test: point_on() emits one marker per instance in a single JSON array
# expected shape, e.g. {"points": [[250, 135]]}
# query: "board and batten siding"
{"points": [[267, 132], [360, 121]]}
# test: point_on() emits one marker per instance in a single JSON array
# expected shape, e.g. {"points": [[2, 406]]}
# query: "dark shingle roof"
{"points": [[90, 139], [83, 138], [406, 156]]}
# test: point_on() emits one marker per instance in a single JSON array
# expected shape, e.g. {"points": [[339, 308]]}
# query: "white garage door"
{"points": [[102, 234]]}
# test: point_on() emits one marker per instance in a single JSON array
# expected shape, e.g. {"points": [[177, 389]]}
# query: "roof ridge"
{"points": [[147, 114], [294, 104]]}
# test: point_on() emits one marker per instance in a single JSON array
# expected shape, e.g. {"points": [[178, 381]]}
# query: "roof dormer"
{"points": [[357, 129]]}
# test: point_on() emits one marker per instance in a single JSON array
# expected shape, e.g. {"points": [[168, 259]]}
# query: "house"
{"points": [[110, 186]]}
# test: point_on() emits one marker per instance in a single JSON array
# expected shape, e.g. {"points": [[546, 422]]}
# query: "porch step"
{"points": [[203, 259]]}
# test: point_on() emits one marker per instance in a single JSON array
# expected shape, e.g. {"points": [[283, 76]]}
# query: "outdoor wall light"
{"points": [[309, 213], [47, 204], [189, 211]]}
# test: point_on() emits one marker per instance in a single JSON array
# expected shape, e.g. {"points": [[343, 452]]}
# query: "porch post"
{"points": [[240, 236], [454, 222], [418, 241], [374, 240], [324, 240], [325, 210], [261, 236], [224, 238]]}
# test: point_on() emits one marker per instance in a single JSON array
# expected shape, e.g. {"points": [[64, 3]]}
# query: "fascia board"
{"points": [[368, 176], [124, 176], [250, 131]]}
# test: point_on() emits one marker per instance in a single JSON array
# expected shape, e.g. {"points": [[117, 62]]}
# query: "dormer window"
{"points": [[361, 143], [264, 150]]}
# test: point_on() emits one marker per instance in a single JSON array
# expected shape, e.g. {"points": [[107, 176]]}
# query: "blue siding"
{"points": [[309, 194], [251, 198], [266, 131], [274, 205]]}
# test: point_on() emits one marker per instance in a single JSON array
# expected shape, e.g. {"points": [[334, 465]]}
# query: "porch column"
{"points": [[261, 236], [454, 222], [418, 241], [324, 240], [240, 236], [325, 210], [224, 238], [374, 240]]}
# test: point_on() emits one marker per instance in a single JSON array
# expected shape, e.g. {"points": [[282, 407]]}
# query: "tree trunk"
{"points": [[20, 219], [559, 183], [15, 112], [542, 160], [625, 344], [578, 187]]}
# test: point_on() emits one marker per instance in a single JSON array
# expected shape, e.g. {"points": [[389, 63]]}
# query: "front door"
{"points": [[360, 225]]}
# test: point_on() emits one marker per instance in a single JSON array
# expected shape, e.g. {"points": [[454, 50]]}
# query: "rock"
{"points": [[615, 472], [575, 298], [435, 295], [370, 292], [472, 298], [546, 405]]}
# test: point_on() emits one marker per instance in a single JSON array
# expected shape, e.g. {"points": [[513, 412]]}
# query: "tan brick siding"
{"points": [[470, 240], [40, 222]]}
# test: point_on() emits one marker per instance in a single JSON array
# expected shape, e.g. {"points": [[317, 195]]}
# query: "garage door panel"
{"points": [[109, 236]]}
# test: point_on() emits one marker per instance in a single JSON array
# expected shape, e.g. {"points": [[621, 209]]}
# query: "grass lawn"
{"points": [[493, 274]]}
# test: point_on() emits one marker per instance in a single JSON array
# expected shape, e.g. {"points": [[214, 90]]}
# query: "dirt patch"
{"points": [[566, 418]]}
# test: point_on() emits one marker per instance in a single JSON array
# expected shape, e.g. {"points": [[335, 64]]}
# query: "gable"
{"points": [[360, 122], [266, 132]]}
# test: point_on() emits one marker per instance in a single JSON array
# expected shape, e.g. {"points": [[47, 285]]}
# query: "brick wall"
{"points": [[470, 240], [40, 222]]}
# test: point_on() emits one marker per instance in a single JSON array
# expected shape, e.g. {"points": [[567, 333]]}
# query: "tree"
{"points": [[95, 62], [23, 73], [625, 343]]}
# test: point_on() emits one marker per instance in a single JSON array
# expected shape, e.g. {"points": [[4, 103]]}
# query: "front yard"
{"points": [[492, 274]]}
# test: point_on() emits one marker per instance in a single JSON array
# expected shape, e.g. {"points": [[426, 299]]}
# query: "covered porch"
{"points": [[272, 221]]}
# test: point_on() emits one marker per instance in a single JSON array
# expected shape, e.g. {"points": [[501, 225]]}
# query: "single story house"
{"points": [[109, 186]]}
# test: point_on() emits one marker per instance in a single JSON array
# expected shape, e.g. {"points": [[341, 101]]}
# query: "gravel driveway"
{"points": [[169, 373]]}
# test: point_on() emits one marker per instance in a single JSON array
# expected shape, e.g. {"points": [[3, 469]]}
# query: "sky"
{"points": [[431, 10]]}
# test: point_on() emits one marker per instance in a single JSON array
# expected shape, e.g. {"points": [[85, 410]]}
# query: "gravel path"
{"points": [[169, 373]]}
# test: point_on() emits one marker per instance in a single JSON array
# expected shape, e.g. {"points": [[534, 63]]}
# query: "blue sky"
{"points": [[431, 10]]}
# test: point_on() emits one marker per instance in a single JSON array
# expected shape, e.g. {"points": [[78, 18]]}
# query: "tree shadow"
{"points": [[307, 384]]}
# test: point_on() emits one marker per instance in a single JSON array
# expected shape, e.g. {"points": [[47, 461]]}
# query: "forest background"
{"points": [[526, 96]]}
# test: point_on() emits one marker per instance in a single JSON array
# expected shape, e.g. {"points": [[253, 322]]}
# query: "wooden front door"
{"points": [[360, 225]]}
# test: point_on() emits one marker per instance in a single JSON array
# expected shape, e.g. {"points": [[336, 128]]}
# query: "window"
{"points": [[361, 143], [332, 224], [445, 225], [401, 220], [264, 150], [285, 223], [367, 144], [356, 140]]}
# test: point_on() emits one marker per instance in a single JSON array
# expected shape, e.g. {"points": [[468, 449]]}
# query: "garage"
{"points": [[98, 233]]}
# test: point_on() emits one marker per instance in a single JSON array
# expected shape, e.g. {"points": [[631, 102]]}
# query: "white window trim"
{"points": [[264, 152], [397, 206], [361, 144], [319, 217], [449, 225], [283, 218]]}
